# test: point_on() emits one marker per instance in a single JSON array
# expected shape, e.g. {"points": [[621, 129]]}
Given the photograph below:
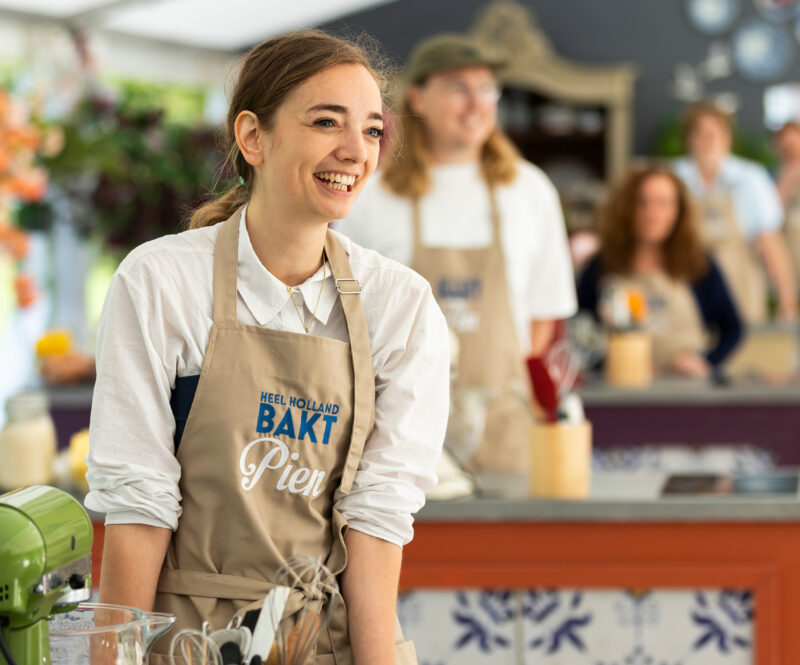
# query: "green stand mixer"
{"points": [[45, 568]]}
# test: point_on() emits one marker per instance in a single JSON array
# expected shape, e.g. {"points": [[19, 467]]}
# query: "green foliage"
{"points": [[669, 143], [128, 171], [182, 105]]}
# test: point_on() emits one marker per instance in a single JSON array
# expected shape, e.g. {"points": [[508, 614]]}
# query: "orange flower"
{"points": [[5, 159], [6, 231], [25, 289], [18, 243], [22, 138], [29, 186], [637, 304]]}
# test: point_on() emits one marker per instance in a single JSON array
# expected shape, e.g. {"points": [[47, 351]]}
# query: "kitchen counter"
{"points": [[676, 391], [617, 496], [624, 536], [71, 397]]}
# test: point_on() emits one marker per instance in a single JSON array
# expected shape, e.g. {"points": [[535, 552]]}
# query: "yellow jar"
{"points": [[629, 359], [27, 442], [561, 460]]}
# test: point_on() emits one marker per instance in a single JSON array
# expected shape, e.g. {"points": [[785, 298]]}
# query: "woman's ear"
{"points": [[248, 133], [414, 95]]}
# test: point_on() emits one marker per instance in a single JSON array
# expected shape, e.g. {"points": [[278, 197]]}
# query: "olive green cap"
{"points": [[446, 51]]}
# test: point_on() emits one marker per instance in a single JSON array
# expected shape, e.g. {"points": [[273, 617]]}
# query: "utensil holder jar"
{"points": [[629, 359], [560, 460]]}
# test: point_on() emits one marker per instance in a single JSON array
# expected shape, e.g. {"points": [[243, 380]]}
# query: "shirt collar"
{"points": [[265, 295], [725, 175]]}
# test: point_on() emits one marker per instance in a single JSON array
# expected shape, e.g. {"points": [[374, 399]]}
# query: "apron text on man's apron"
{"points": [[278, 424], [470, 287]]}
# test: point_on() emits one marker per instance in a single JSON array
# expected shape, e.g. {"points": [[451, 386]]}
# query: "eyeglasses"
{"points": [[488, 92]]}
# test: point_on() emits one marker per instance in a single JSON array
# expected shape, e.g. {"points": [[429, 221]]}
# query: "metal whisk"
{"points": [[297, 634]]}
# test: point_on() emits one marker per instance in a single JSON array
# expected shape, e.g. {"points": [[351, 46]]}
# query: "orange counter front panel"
{"points": [[762, 557]]}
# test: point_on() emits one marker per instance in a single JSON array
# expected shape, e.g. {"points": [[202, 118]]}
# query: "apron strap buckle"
{"points": [[345, 291]]}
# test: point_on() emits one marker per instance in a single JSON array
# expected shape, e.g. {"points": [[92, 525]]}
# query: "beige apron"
{"points": [[278, 424], [470, 287], [738, 262], [673, 317], [791, 228]]}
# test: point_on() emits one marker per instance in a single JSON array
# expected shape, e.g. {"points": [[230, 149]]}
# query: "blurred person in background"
{"points": [[457, 203], [650, 243], [787, 145], [740, 215]]}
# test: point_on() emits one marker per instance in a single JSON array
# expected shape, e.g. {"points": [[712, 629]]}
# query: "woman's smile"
{"points": [[341, 183]]}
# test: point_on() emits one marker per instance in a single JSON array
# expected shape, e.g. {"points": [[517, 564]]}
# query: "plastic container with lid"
{"points": [[27, 442]]}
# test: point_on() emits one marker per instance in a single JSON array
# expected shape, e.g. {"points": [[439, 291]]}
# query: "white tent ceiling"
{"points": [[229, 25]]}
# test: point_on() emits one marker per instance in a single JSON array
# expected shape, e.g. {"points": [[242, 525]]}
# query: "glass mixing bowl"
{"points": [[101, 634]]}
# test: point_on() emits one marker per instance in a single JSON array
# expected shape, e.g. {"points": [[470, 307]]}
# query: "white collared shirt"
{"points": [[456, 213], [155, 327], [755, 198]]}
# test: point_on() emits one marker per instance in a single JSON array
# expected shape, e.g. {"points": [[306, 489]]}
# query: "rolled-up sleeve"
{"points": [[398, 465], [133, 473]]}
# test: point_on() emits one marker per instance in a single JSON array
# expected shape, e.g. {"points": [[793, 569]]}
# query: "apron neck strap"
{"points": [[361, 352], [226, 262], [416, 217], [226, 267]]}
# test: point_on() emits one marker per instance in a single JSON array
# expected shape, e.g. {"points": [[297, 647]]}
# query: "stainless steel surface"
{"points": [[687, 392], [616, 497], [82, 567]]}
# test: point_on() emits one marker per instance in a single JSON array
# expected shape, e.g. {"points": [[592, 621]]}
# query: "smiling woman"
{"points": [[254, 393], [321, 150], [303, 101]]}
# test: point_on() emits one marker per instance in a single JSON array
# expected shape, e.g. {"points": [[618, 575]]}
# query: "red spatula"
{"points": [[543, 387]]}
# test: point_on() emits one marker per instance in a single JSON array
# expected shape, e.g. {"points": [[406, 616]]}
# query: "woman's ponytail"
{"points": [[220, 209]]}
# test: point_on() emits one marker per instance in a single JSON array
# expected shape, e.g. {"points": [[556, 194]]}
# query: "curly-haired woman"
{"points": [[650, 242]]}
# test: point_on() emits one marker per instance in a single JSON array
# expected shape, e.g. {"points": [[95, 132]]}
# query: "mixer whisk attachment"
{"points": [[194, 647]]}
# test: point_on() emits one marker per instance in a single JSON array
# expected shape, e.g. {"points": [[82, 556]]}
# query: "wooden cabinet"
{"points": [[573, 120]]}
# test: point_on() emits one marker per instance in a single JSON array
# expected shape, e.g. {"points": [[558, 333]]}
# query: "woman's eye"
{"points": [[375, 132], [324, 122]]}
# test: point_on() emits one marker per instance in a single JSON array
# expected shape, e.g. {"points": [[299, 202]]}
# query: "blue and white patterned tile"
{"points": [[580, 627], [558, 626], [465, 627], [705, 627]]}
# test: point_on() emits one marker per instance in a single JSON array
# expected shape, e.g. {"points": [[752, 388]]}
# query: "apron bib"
{"points": [[278, 424], [791, 229], [673, 317], [737, 260], [470, 287]]}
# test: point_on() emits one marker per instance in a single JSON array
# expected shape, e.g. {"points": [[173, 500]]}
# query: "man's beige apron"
{"points": [[470, 287], [737, 260], [277, 425], [791, 228], [673, 317]]}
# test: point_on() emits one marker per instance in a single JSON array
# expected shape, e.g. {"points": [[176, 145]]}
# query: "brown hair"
{"points": [[785, 127], [684, 257], [407, 169], [695, 112], [268, 73]]}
